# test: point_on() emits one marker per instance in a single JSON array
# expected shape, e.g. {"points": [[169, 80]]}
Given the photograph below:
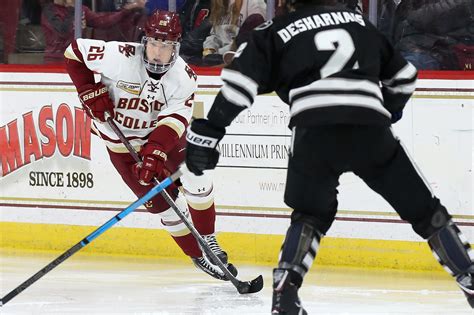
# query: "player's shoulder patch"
{"points": [[127, 49], [182, 76], [190, 72], [180, 70]]}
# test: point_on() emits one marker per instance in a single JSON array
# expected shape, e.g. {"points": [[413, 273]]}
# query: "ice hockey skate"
{"points": [[285, 294], [216, 249], [205, 263], [466, 283]]}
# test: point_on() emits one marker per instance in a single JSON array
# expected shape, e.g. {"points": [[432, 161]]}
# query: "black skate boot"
{"points": [[211, 269], [466, 283], [216, 249], [208, 267], [222, 255], [285, 294]]}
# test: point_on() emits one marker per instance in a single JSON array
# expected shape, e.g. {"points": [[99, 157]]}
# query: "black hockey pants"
{"points": [[321, 154]]}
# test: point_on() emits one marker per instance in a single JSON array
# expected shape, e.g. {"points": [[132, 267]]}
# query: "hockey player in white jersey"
{"points": [[148, 90]]}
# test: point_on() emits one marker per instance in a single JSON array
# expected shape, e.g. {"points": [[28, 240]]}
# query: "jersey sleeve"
{"points": [[76, 68], [398, 78], [97, 55], [249, 74]]}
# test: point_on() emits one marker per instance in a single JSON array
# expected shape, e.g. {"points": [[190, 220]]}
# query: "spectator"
{"points": [[108, 5], [434, 34], [8, 24], [256, 19], [193, 13], [232, 21], [31, 11], [229, 23], [196, 27], [57, 21], [126, 30], [386, 16], [280, 7]]}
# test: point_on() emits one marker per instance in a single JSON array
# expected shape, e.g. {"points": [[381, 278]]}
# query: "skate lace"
{"points": [[212, 242]]}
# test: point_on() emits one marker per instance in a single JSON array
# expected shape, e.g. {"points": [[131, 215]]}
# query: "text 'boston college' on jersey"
{"points": [[328, 63], [141, 103]]}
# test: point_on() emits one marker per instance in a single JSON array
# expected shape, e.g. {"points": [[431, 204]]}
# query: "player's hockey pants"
{"points": [[321, 154]]}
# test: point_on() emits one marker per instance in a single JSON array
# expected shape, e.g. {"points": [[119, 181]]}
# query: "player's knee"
{"points": [[198, 191], [430, 224], [172, 222], [196, 185], [158, 204], [299, 216], [321, 224]]}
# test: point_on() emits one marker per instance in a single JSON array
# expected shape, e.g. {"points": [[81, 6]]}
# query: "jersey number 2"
{"points": [[338, 40]]}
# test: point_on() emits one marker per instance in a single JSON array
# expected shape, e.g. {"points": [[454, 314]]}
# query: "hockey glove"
{"points": [[202, 138], [396, 116], [153, 162], [96, 100]]}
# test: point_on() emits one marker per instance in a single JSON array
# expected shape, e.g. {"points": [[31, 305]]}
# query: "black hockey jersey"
{"points": [[329, 64]]}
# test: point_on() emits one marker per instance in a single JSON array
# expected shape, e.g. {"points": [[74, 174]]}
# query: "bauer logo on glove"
{"points": [[86, 97], [200, 140], [96, 101], [201, 153]]}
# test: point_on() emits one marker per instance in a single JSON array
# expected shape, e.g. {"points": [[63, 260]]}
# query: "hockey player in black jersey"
{"points": [[345, 85]]}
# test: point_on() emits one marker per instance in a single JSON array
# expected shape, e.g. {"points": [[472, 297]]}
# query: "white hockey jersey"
{"points": [[141, 103]]}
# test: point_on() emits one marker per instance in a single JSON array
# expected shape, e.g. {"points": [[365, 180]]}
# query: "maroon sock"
{"points": [[188, 244], [204, 220]]}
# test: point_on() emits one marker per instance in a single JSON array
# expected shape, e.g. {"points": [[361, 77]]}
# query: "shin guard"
{"points": [[300, 247], [454, 253], [199, 194], [452, 250], [178, 230]]}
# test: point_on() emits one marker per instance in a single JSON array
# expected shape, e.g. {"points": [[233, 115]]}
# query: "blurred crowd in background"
{"points": [[431, 34]]}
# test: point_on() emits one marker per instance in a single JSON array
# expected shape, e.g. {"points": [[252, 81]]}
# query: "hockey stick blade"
{"points": [[253, 286]]}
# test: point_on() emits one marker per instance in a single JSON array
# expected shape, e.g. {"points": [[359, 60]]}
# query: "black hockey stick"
{"points": [[242, 286], [89, 238]]}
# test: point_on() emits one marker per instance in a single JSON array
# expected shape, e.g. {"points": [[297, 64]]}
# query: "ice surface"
{"points": [[86, 284]]}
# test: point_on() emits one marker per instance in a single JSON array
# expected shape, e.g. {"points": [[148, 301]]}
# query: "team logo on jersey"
{"points": [[191, 73], [132, 88], [153, 87], [127, 50], [148, 204]]}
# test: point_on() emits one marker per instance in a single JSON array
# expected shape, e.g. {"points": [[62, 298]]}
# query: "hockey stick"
{"points": [[242, 286], [71, 251]]}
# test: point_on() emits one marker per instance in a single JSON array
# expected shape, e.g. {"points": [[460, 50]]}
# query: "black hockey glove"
{"points": [[396, 116], [202, 138]]}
